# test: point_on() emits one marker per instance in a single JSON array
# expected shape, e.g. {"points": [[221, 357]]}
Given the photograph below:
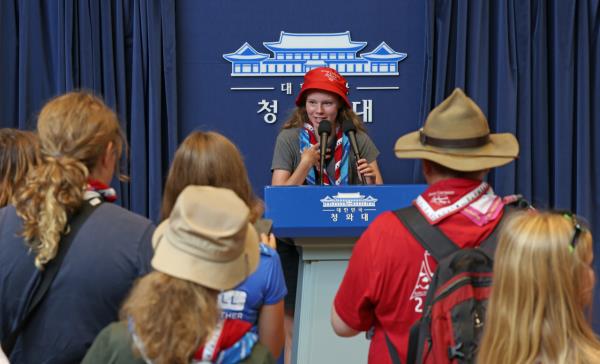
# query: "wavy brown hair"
{"points": [[209, 159], [299, 116], [536, 311], [171, 316], [74, 132], [19, 152]]}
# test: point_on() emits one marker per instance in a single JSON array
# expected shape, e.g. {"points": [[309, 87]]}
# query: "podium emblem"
{"points": [[352, 199]]}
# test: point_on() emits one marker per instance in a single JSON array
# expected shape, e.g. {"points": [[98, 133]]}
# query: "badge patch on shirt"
{"points": [[420, 291], [232, 300]]}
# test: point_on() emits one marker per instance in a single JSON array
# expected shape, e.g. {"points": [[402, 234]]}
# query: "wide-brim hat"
{"points": [[326, 79], [208, 239], [456, 135]]}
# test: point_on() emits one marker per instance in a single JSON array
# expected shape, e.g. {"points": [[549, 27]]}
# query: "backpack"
{"points": [[454, 311]]}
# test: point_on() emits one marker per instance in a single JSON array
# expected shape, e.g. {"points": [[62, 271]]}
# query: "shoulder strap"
{"points": [[50, 271], [430, 237], [488, 245], [392, 350]]}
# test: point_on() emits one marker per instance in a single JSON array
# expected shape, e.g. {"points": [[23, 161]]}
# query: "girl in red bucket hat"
{"points": [[324, 96]]}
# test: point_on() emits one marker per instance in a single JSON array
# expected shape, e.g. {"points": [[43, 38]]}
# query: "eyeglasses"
{"points": [[577, 226]]}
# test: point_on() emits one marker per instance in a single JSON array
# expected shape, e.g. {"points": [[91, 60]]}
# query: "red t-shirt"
{"points": [[389, 272]]}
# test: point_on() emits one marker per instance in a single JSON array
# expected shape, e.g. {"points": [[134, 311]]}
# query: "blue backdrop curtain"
{"points": [[534, 68], [124, 51]]}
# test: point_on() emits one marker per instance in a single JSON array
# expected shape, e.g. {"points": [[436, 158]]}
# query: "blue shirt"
{"points": [[265, 286], [112, 248]]}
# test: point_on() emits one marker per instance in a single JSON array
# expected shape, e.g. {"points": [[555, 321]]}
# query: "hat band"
{"points": [[453, 143]]}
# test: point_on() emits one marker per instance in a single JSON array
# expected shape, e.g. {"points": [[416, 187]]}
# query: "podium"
{"points": [[325, 222]]}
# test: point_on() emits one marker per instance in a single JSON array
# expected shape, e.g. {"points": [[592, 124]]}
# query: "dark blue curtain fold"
{"points": [[534, 68], [123, 51]]}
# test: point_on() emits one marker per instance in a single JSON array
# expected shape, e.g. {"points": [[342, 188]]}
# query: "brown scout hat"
{"points": [[456, 135], [208, 239]]}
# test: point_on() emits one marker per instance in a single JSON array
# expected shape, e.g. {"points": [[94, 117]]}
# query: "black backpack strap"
{"points": [[488, 246], [413, 341], [392, 350], [430, 237], [50, 271]]}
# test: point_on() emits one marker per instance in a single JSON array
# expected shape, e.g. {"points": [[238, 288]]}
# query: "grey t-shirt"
{"points": [[287, 153]]}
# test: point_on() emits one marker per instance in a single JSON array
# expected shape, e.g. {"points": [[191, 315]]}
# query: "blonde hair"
{"points": [[74, 132], [540, 291], [209, 159], [171, 316], [19, 151]]}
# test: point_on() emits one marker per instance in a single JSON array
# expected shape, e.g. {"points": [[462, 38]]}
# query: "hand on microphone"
{"points": [[365, 169], [310, 156]]}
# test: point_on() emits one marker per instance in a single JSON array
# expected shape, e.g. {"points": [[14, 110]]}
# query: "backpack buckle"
{"points": [[455, 352]]}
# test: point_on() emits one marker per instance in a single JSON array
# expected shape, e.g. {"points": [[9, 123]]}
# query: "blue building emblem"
{"points": [[296, 53], [351, 199]]}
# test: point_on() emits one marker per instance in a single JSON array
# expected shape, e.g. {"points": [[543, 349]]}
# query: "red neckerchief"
{"points": [[226, 334], [337, 154], [448, 197], [108, 193]]}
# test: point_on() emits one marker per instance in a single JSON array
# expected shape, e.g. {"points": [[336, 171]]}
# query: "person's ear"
{"points": [[426, 167], [110, 155]]}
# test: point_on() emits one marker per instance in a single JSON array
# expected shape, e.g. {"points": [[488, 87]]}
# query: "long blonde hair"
{"points": [[541, 288], [19, 151], [74, 132], [209, 159], [171, 316]]}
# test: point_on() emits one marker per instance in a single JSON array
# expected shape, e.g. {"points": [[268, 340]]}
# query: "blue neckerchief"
{"points": [[239, 351]]}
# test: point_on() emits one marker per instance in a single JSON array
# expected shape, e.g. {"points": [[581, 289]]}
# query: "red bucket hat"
{"points": [[327, 79]]}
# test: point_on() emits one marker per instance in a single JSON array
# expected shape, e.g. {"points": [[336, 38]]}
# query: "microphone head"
{"points": [[324, 127], [348, 125]]}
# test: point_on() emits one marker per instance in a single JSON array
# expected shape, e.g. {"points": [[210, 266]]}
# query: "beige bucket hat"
{"points": [[208, 239], [456, 135]]}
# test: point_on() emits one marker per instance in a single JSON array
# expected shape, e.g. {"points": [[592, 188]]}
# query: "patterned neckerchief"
{"points": [[474, 199], [340, 156], [96, 187]]}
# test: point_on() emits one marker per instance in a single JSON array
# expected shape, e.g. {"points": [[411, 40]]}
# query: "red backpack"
{"points": [[454, 311]]}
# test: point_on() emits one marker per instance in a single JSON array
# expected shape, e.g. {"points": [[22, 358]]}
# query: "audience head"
{"points": [[19, 151], [80, 138], [209, 159], [543, 280], [206, 245], [457, 137], [324, 82]]}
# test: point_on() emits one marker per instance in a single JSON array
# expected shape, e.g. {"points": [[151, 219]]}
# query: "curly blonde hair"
{"points": [[19, 151], [542, 285], [74, 132], [171, 317]]}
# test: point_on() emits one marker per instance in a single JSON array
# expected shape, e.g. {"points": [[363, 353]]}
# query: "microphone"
{"points": [[324, 131], [350, 130]]}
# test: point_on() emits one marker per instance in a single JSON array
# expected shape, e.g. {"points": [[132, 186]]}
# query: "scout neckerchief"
{"points": [[230, 342], [474, 199], [95, 187], [340, 155]]}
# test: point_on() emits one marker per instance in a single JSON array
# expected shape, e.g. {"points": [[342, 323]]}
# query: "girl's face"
{"points": [[321, 105]]}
